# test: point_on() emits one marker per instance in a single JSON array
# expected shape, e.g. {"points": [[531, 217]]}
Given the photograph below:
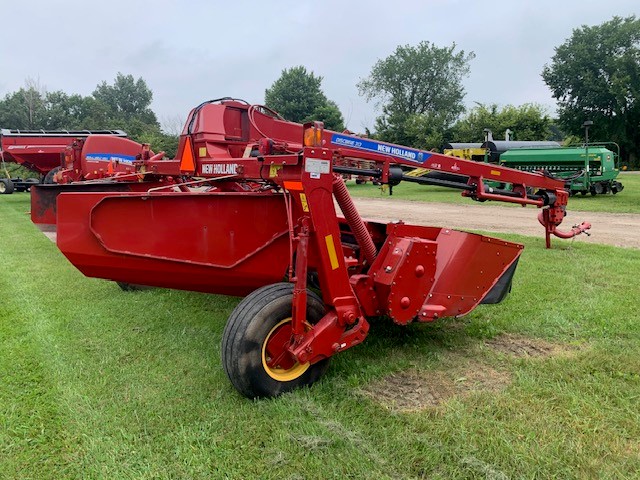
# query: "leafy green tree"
{"points": [[160, 141], [31, 108], [23, 109], [127, 105], [526, 122], [425, 131], [298, 97], [127, 99], [124, 105], [415, 86], [62, 111], [595, 75]]}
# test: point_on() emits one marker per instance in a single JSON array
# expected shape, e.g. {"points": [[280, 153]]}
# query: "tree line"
{"points": [[124, 104], [594, 75]]}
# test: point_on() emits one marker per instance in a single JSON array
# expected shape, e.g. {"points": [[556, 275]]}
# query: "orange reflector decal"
{"points": [[293, 186], [331, 249], [495, 172], [187, 162]]}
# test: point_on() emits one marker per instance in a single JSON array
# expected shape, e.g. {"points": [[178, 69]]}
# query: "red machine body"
{"points": [[96, 163], [41, 150], [250, 203], [97, 157]]}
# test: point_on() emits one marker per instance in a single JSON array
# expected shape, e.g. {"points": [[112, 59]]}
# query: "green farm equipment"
{"points": [[586, 169]]}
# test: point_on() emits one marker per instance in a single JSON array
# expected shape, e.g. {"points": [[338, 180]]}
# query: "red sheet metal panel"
{"points": [[448, 271], [229, 243]]}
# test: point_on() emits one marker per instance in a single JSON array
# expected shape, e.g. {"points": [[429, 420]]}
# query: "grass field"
{"points": [[627, 201], [100, 383]]}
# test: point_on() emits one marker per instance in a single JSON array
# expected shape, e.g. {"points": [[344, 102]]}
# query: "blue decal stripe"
{"points": [[108, 157], [410, 154]]}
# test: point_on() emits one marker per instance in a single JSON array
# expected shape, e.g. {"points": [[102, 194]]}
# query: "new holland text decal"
{"points": [[220, 168], [417, 156]]}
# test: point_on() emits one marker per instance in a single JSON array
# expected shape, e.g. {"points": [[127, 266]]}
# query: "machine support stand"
{"points": [[299, 303]]}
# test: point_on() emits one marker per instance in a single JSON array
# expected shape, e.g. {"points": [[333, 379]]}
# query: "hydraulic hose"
{"points": [[354, 220]]}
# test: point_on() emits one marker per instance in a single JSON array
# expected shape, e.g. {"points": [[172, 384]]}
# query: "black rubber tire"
{"points": [[6, 186], [616, 187], [247, 330], [48, 178], [599, 188]]}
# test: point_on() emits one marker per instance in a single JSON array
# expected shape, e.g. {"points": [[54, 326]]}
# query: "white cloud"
{"points": [[193, 51]]}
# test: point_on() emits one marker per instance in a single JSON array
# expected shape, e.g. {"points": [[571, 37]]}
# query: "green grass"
{"points": [[627, 201], [100, 383]]}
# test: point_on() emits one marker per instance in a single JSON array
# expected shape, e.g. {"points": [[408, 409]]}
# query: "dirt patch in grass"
{"points": [[520, 346], [632, 448], [414, 390]]}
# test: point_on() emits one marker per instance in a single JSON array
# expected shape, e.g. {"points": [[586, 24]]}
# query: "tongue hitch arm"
{"points": [[552, 217]]}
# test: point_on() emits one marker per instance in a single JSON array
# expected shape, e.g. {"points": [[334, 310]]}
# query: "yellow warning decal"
{"points": [[273, 170], [331, 249], [303, 200], [496, 172], [202, 152]]}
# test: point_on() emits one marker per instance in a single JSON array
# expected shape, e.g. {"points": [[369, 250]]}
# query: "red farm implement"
{"points": [[248, 209], [42, 152]]}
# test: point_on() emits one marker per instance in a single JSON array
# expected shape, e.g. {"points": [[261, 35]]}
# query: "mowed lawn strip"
{"points": [[100, 383], [627, 201]]}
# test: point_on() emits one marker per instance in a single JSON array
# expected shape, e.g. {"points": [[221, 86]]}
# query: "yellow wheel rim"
{"points": [[276, 372]]}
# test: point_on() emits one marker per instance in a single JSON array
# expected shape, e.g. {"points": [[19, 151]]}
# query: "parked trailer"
{"points": [[40, 151], [264, 211]]}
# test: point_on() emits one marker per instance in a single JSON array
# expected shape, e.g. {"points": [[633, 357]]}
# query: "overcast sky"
{"points": [[192, 51]]}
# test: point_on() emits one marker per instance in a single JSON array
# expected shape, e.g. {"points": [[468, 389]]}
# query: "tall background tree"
{"points": [[127, 100], [297, 96], [419, 89], [526, 122], [595, 75]]}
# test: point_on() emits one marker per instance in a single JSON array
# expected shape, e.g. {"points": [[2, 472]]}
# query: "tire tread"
{"points": [[240, 320]]}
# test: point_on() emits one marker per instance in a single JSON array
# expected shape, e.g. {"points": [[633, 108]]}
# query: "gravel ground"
{"points": [[618, 229]]}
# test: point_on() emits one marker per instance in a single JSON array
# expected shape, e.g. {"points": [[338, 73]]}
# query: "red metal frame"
{"points": [[267, 199], [41, 150]]}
